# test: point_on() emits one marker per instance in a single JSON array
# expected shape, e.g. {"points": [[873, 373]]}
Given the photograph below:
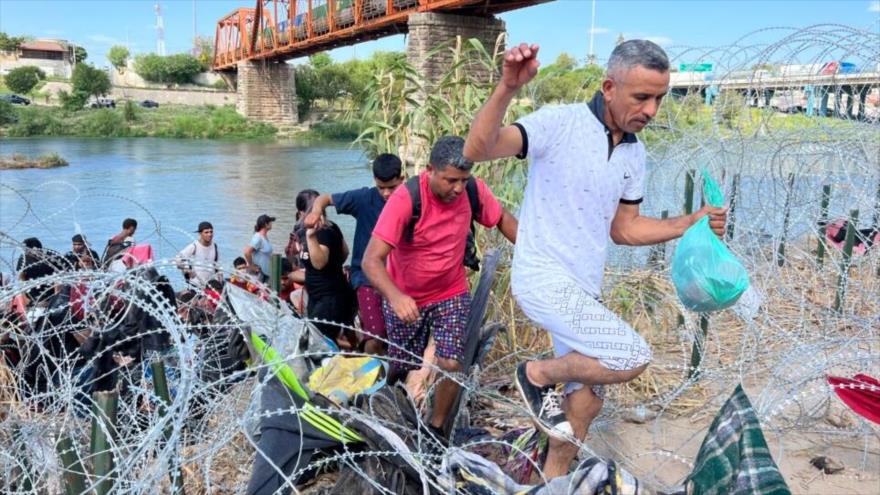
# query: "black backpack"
{"points": [[470, 260]]}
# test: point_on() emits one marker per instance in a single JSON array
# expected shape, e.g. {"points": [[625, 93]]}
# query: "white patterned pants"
{"points": [[580, 323]]}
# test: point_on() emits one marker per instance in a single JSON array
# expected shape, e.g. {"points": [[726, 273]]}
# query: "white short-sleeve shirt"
{"points": [[571, 197]]}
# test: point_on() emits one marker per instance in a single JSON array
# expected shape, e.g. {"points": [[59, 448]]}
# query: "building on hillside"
{"points": [[54, 57]]}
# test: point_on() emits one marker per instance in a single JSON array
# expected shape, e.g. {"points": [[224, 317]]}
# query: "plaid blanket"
{"points": [[734, 458]]}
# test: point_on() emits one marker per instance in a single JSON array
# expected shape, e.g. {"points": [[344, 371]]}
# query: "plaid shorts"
{"points": [[444, 320], [370, 312]]}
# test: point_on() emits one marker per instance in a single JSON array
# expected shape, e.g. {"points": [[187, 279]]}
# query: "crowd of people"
{"points": [[406, 281]]}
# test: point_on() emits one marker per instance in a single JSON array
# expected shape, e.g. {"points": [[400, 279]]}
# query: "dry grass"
{"points": [[14, 162]]}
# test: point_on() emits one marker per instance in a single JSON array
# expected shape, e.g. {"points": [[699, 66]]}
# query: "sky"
{"points": [[558, 26]]}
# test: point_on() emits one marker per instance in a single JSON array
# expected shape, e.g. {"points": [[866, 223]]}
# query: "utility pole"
{"points": [[160, 32], [591, 57], [196, 50]]}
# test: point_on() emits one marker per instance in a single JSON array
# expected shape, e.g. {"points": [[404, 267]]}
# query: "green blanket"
{"points": [[734, 458]]}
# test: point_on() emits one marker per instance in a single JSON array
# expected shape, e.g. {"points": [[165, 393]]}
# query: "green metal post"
{"points": [[786, 213], [160, 385], [74, 474], [823, 223], [689, 192], [731, 212], [103, 430], [851, 227], [275, 272], [699, 345], [658, 252], [876, 222], [688, 209]]}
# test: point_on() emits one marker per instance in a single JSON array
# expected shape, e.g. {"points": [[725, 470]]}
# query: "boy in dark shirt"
{"points": [[365, 204]]}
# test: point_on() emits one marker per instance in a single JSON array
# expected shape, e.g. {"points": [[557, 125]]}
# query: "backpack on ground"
{"points": [[470, 260]]}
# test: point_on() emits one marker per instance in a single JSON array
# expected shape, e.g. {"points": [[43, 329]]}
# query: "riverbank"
{"points": [[167, 121], [18, 161], [172, 121]]}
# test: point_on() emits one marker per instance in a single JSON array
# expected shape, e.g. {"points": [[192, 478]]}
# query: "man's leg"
{"points": [[577, 368], [372, 320], [581, 408], [595, 347], [445, 392], [448, 320]]}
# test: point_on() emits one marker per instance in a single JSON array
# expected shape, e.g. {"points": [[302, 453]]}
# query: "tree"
{"points": [[90, 81], [80, 53], [173, 69], [118, 56], [306, 84], [320, 60], [204, 50], [620, 39], [23, 79], [10, 43]]}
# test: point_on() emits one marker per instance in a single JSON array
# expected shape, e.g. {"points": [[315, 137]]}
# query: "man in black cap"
{"points": [[198, 260], [80, 250]]}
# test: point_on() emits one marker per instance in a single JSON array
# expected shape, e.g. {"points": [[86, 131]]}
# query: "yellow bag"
{"points": [[344, 377]]}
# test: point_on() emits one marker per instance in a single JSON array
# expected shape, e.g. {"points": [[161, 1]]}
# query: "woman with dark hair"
{"points": [[297, 239], [330, 296], [259, 251]]}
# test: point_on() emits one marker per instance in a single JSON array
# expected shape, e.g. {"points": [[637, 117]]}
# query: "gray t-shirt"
{"points": [[262, 252]]}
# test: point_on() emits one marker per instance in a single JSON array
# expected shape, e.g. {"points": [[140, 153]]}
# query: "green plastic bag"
{"points": [[705, 273]]}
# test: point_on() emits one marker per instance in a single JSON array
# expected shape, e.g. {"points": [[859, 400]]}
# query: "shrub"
{"points": [[221, 85], [72, 102], [103, 122], [24, 79], [36, 122], [118, 56], [173, 69], [7, 113], [90, 81], [129, 111]]}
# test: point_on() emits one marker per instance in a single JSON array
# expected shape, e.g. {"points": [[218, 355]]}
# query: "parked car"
{"points": [[149, 104], [102, 103], [15, 99]]}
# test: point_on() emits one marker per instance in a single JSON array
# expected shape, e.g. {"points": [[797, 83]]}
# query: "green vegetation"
{"points": [[87, 82], [24, 79], [52, 160], [7, 113], [129, 120], [179, 68], [10, 43], [118, 56], [80, 54]]}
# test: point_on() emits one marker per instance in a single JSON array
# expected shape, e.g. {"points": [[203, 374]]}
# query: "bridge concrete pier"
{"points": [[429, 30], [266, 92]]}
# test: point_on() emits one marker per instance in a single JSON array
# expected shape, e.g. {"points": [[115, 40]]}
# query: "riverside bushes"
{"points": [[167, 121]]}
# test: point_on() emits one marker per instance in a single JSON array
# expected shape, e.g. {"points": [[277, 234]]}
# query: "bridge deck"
{"points": [[294, 28], [699, 80]]}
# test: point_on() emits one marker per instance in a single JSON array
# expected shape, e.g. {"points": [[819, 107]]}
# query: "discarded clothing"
{"points": [[861, 394], [734, 458]]}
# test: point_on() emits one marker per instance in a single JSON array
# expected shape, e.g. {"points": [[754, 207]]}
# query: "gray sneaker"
{"points": [[545, 404]]}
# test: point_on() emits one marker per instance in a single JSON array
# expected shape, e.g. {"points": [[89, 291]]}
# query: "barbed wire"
{"points": [[781, 341]]}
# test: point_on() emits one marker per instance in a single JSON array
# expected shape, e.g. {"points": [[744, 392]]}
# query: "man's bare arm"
{"points": [[373, 265], [486, 139], [508, 226], [630, 228]]}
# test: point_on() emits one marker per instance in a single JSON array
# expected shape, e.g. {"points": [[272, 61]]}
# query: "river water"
{"points": [[168, 186]]}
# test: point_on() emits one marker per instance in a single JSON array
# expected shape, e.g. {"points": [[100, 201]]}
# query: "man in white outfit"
{"points": [[198, 260], [585, 184]]}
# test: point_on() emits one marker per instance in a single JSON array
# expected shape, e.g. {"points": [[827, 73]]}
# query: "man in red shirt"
{"points": [[424, 285]]}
